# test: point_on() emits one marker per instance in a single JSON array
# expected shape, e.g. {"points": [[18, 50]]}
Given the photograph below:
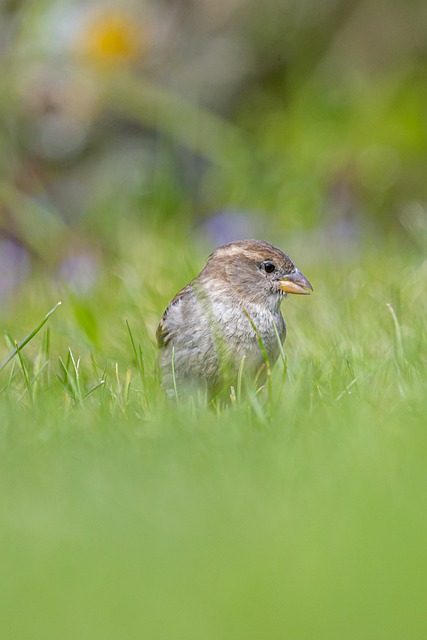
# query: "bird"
{"points": [[227, 319]]}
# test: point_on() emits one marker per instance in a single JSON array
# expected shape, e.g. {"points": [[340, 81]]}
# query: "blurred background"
{"points": [[132, 123]]}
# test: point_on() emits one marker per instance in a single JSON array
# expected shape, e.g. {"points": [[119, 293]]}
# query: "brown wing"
{"points": [[162, 334]]}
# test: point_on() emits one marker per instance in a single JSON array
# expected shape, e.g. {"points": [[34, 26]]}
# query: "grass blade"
{"points": [[29, 337]]}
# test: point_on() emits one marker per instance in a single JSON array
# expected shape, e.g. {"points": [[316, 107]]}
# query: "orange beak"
{"points": [[295, 282]]}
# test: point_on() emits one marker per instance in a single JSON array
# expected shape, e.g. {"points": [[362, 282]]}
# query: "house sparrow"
{"points": [[228, 314]]}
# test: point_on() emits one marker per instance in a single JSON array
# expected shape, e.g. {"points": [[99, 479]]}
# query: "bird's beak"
{"points": [[295, 282]]}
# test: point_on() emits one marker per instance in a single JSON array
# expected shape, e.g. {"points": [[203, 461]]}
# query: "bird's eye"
{"points": [[269, 266]]}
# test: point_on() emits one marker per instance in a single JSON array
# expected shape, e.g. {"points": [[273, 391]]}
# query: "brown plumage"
{"points": [[218, 320]]}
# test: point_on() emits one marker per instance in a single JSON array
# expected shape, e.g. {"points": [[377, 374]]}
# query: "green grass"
{"points": [[298, 515]]}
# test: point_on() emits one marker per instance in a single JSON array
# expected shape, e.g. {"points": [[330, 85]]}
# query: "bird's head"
{"points": [[253, 271]]}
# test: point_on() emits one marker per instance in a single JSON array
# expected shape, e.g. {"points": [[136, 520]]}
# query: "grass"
{"points": [[299, 515]]}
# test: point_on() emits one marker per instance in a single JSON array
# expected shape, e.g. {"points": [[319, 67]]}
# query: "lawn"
{"points": [[298, 515]]}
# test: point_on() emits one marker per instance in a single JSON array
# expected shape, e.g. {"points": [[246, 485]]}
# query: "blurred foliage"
{"points": [[311, 116]]}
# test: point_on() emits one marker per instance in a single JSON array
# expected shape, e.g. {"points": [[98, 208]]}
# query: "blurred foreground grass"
{"points": [[125, 517]]}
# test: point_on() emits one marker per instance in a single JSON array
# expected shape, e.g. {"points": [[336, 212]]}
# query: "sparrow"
{"points": [[227, 319]]}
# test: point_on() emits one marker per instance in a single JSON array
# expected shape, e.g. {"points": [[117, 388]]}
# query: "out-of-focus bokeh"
{"points": [[221, 120]]}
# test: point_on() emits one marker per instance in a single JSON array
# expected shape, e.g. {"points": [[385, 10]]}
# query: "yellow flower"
{"points": [[111, 37]]}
